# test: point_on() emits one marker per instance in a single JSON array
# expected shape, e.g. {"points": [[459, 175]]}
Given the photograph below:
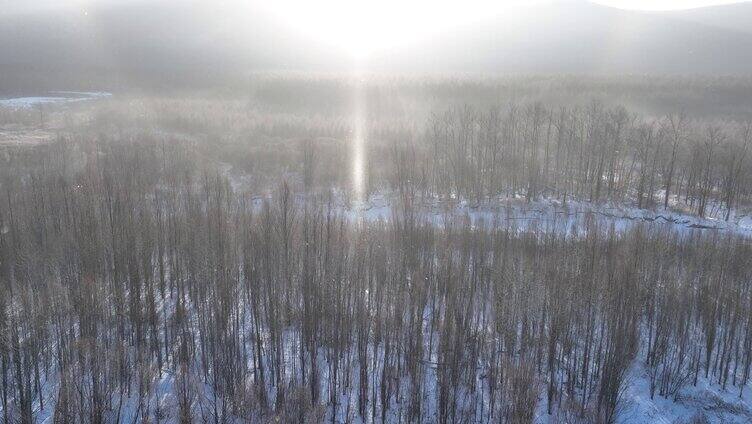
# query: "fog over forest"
{"points": [[376, 212]]}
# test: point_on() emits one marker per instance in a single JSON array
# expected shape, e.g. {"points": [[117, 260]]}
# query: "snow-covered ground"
{"points": [[53, 97], [707, 402], [545, 214], [707, 399], [515, 212]]}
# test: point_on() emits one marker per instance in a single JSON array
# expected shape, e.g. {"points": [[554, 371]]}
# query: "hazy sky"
{"points": [[357, 26], [25, 6], [663, 4], [362, 26], [516, 35]]}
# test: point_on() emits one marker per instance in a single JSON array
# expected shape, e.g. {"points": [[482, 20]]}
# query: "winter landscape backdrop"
{"points": [[350, 212]]}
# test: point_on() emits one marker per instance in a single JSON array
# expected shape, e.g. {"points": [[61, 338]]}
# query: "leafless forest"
{"points": [[208, 258]]}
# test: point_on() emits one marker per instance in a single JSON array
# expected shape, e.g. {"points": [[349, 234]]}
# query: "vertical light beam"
{"points": [[358, 141]]}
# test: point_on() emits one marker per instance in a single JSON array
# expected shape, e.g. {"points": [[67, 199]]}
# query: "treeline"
{"points": [[594, 153], [591, 153], [137, 285], [384, 94]]}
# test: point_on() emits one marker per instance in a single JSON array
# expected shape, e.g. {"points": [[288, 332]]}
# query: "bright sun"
{"points": [[362, 27]]}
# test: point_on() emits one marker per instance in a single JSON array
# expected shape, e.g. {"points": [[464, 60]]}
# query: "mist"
{"points": [[167, 41], [375, 212]]}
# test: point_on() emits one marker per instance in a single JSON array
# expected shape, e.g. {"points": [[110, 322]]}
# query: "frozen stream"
{"points": [[52, 98]]}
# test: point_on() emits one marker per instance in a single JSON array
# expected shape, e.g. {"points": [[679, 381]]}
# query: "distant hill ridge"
{"points": [[173, 38]]}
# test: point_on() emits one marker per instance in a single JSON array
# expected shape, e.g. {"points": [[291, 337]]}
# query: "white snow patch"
{"points": [[546, 214], [54, 97], [707, 398]]}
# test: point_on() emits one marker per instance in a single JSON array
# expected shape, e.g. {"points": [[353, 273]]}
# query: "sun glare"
{"points": [[360, 28], [663, 5]]}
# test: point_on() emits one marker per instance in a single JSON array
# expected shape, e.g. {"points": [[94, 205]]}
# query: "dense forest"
{"points": [[647, 144], [203, 268]]}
